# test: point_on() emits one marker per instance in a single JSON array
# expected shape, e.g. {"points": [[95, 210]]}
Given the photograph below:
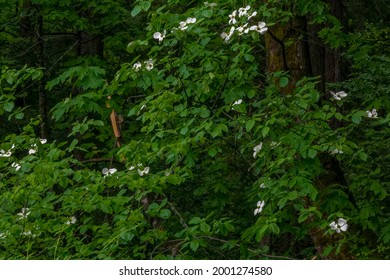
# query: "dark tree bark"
{"points": [[295, 47], [44, 125]]}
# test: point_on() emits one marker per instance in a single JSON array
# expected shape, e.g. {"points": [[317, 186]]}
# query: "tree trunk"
{"points": [[296, 48]]}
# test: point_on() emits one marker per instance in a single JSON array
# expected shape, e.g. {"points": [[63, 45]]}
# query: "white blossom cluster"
{"points": [[33, 149], [242, 17], [338, 95], [141, 172], [7, 153], [336, 151], [23, 214], [257, 149], [148, 64], [259, 207], [340, 226], [160, 36], [183, 25], [372, 114], [71, 221], [108, 172]]}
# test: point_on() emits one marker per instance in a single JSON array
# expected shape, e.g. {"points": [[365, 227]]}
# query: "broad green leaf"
{"points": [[145, 5], [311, 153], [184, 131], [194, 245], [8, 106], [249, 124], [283, 82], [195, 221], [137, 9], [165, 213], [265, 131]]}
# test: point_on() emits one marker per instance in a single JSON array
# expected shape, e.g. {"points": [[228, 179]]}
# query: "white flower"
{"points": [[5, 154], [160, 36], [24, 213], [240, 29], [260, 27], [33, 149], [262, 186], [183, 25], [72, 220], [232, 17], [243, 11], [43, 141], [17, 166], [149, 64], [336, 151], [257, 149], [137, 66], [107, 172], [373, 114], [2, 235], [227, 37], [239, 101], [131, 168], [252, 15], [190, 20], [143, 172], [259, 208], [341, 225], [26, 232], [338, 95]]}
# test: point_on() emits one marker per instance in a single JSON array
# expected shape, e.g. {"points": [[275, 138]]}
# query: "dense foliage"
{"points": [[155, 130]]}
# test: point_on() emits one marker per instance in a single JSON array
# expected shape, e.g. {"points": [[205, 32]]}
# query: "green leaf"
{"points": [[274, 228], [362, 155], [204, 227], [327, 250], [137, 9], [8, 106], [357, 116], [249, 124], [265, 131], [184, 131], [165, 213], [106, 208], [145, 5], [19, 116], [194, 245], [283, 82], [212, 152], [207, 13], [303, 217], [195, 221], [261, 232], [311, 153]]}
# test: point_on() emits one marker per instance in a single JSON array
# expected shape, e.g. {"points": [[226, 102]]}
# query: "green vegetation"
{"points": [[174, 129]]}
